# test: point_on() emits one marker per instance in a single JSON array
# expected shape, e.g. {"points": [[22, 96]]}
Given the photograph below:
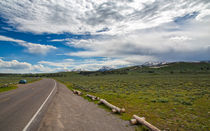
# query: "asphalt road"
{"points": [[17, 107]]}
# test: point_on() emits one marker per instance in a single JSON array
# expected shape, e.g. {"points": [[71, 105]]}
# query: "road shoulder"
{"points": [[71, 112]]}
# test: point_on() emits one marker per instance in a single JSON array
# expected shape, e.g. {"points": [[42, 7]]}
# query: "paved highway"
{"points": [[21, 108]]}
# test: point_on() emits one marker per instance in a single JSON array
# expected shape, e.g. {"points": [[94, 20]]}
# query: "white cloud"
{"points": [[4, 38], [116, 17], [191, 40], [15, 66], [38, 48], [59, 40], [31, 47], [180, 38]]}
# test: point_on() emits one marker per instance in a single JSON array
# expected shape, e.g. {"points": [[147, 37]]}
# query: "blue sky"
{"points": [[51, 36]]}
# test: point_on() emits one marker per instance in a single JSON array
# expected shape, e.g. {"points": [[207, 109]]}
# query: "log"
{"points": [[92, 97], [134, 121], [114, 108], [122, 110], [74, 91], [144, 122], [77, 92]]}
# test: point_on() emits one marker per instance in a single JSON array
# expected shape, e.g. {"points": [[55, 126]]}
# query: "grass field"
{"points": [[173, 101], [173, 97], [12, 80]]}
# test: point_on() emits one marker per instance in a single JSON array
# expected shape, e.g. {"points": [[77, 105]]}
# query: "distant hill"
{"points": [[170, 68], [178, 67], [105, 68], [164, 68]]}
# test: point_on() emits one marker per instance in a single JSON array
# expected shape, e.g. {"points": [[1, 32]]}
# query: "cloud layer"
{"points": [[113, 17], [30, 47], [184, 43]]}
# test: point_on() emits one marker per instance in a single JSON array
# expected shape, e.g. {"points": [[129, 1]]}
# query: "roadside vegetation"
{"points": [[173, 97], [10, 81]]}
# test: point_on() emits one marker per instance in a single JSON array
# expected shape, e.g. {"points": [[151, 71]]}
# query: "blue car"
{"points": [[22, 81]]}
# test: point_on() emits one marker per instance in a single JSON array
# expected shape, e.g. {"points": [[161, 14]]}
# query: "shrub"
{"points": [[186, 103], [151, 71], [161, 100]]}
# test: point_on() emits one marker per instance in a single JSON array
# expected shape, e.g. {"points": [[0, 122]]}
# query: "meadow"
{"points": [[169, 98], [10, 81]]}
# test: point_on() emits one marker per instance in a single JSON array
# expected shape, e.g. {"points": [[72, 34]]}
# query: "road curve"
{"points": [[17, 107]]}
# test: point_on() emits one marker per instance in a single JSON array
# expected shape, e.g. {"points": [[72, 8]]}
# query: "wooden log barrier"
{"points": [[133, 121], [92, 97], [136, 119], [77, 92], [114, 108]]}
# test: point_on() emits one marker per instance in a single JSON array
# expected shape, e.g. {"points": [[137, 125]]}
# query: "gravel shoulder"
{"points": [[70, 112]]}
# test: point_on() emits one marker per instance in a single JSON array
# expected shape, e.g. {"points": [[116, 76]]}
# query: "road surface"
{"points": [[69, 112], [63, 111], [18, 106]]}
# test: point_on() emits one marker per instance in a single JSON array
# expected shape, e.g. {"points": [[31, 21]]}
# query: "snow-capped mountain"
{"points": [[154, 63], [105, 68], [77, 70]]}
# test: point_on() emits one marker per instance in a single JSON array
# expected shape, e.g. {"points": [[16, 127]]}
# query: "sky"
{"points": [[62, 35]]}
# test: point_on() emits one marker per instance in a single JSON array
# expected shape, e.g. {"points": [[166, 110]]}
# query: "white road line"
{"points": [[35, 115]]}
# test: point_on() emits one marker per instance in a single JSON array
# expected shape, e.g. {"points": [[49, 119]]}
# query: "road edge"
{"points": [[39, 113]]}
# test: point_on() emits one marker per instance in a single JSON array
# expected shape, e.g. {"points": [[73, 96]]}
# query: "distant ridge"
{"points": [[105, 68], [154, 63], [181, 65], [78, 70]]}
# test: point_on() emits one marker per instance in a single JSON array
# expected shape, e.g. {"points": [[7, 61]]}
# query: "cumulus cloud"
{"points": [[30, 47], [113, 17], [38, 48], [155, 43], [15, 66], [180, 38]]}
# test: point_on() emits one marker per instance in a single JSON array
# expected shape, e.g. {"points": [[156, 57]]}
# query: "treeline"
{"points": [[45, 75], [33, 75], [7, 74], [96, 73]]}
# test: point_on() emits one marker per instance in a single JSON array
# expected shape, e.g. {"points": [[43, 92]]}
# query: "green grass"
{"points": [[178, 101], [12, 81], [8, 88]]}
